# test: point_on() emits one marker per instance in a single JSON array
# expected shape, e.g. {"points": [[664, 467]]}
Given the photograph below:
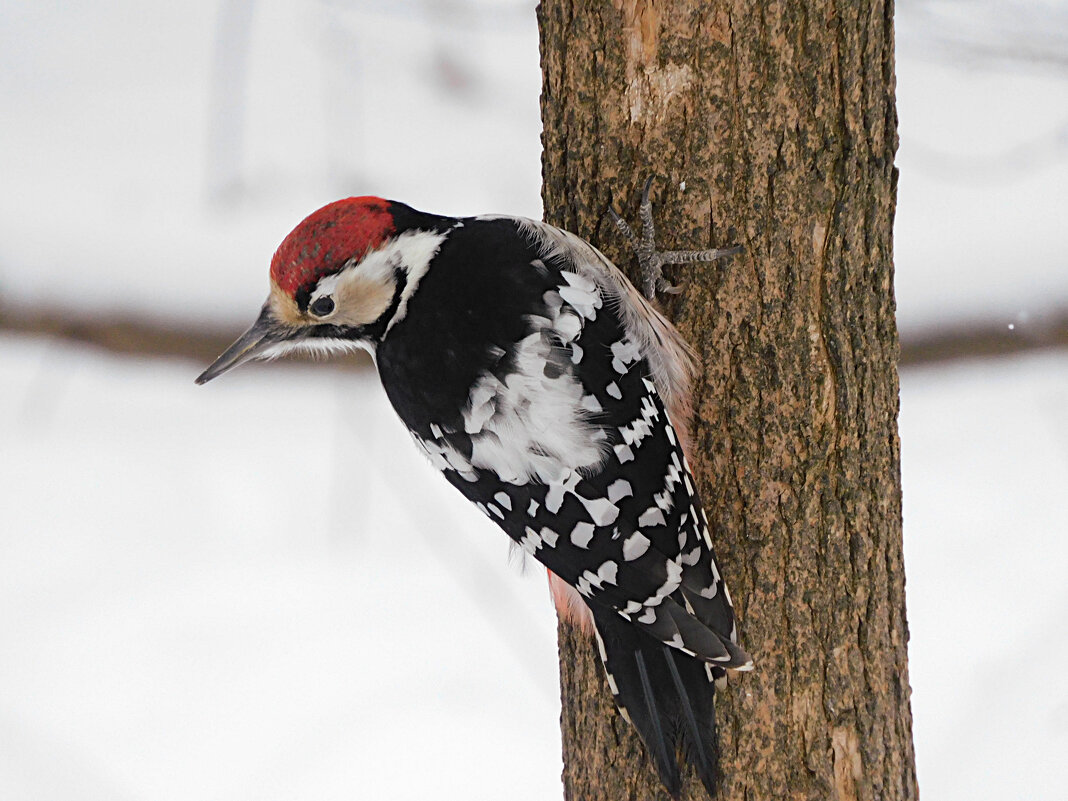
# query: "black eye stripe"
{"points": [[302, 296], [321, 307]]}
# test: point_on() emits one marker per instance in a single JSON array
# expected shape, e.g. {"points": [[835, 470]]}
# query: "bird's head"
{"points": [[337, 280]]}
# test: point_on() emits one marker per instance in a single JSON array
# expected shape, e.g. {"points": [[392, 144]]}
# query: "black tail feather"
{"points": [[655, 737], [703, 750], [668, 697]]}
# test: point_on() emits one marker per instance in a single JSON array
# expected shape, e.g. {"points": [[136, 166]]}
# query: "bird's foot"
{"points": [[650, 260]]}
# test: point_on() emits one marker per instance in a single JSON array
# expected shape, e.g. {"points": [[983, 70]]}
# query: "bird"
{"points": [[554, 396]]}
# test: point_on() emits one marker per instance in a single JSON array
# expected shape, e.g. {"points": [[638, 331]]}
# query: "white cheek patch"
{"points": [[363, 290]]}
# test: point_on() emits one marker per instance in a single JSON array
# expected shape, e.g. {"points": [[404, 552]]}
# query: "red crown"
{"points": [[327, 238]]}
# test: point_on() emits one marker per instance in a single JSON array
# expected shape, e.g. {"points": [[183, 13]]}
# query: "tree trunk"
{"points": [[771, 125]]}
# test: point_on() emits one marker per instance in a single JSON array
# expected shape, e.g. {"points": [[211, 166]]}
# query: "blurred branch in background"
{"points": [[1010, 164], [982, 339], [992, 34], [997, 37], [132, 335]]}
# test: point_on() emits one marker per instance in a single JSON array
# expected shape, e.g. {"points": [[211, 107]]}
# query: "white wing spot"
{"points": [[611, 682], [568, 326], [557, 487], [693, 557], [600, 645], [674, 579], [602, 510], [531, 541], [613, 390], [634, 433], [444, 457], [624, 353], [619, 489], [664, 500], [583, 585], [652, 517], [608, 571], [581, 534], [591, 404], [585, 303], [634, 546], [503, 500]]}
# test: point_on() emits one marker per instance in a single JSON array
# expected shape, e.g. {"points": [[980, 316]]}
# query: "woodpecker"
{"points": [[553, 395]]}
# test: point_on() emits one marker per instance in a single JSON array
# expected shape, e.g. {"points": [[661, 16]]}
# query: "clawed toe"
{"points": [[650, 260]]}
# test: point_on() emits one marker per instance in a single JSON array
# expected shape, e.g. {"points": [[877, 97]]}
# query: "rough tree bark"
{"points": [[772, 125]]}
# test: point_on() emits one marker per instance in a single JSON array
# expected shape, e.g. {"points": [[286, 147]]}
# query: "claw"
{"points": [[652, 261], [624, 229], [646, 188]]}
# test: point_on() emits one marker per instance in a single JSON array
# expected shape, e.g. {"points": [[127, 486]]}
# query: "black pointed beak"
{"points": [[254, 343]]}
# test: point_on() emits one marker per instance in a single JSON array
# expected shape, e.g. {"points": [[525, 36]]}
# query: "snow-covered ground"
{"points": [[189, 611], [186, 610], [985, 480]]}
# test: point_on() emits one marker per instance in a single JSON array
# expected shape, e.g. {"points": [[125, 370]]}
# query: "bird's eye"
{"points": [[321, 307]]}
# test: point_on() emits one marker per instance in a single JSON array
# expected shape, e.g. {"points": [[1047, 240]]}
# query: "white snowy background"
{"points": [[258, 590]]}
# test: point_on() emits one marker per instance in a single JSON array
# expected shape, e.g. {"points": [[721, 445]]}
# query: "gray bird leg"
{"points": [[650, 260]]}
